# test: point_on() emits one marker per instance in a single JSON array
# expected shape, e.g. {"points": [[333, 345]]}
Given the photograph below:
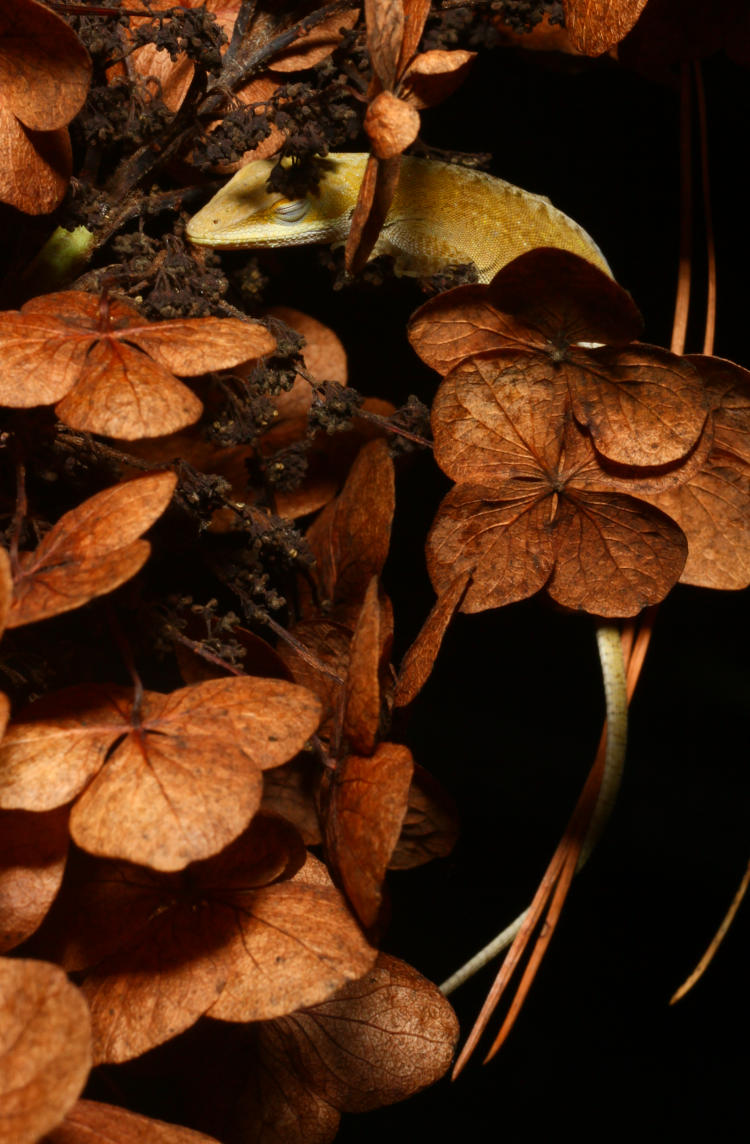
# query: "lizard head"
{"points": [[244, 213]]}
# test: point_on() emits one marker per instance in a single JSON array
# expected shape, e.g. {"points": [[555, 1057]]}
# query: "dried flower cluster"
{"points": [[205, 775]]}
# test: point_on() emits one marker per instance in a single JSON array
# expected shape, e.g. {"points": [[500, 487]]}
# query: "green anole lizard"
{"points": [[441, 215]]}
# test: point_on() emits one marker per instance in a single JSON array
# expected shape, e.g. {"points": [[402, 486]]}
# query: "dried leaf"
{"points": [[35, 166], [323, 354], [430, 827], [367, 805], [45, 1048], [376, 193], [415, 18], [91, 1122], [351, 537], [44, 67], [377, 1041], [362, 686], [392, 125], [33, 849], [44, 77], [177, 778], [6, 588], [536, 508], [109, 370], [435, 75], [290, 791], [385, 31], [91, 550], [233, 927], [317, 44], [713, 505], [418, 662], [595, 26]]}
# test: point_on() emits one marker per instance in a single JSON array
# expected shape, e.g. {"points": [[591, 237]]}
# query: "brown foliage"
{"points": [[91, 1122], [595, 26], [110, 372], [90, 551], [235, 935], [44, 78], [376, 1041], [33, 851], [45, 1048], [159, 779]]}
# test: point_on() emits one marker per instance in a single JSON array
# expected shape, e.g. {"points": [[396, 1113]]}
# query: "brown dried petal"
{"points": [[33, 849], [52, 751], [713, 510], [505, 545], [35, 166], [385, 30], [190, 346], [350, 538], [123, 393], [380, 1039], [392, 125], [189, 786], [6, 588], [430, 827], [91, 550], [45, 1048], [362, 687], [643, 406], [433, 76], [41, 362], [595, 26], [376, 193], [418, 662], [615, 554], [91, 1122], [368, 800], [44, 67], [289, 790], [315, 45]]}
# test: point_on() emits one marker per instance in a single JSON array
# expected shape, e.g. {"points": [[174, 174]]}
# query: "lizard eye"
{"points": [[291, 210]]}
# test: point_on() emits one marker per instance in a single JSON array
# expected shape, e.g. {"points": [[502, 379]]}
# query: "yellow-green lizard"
{"points": [[441, 215]]}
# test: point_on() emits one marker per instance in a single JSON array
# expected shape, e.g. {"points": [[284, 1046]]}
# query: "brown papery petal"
{"points": [[91, 550], [362, 688], [385, 30], [418, 662], [615, 555], [294, 945], [430, 826], [6, 588], [380, 1039], [595, 26], [44, 67], [33, 848], [351, 537], [496, 417], [58, 743], [433, 76], [315, 45], [713, 510], [368, 801], [505, 545], [644, 406], [123, 393], [45, 1048], [41, 361], [190, 346], [392, 124], [91, 1122]]}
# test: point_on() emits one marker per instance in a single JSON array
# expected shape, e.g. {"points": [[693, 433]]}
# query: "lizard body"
{"points": [[441, 215]]}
